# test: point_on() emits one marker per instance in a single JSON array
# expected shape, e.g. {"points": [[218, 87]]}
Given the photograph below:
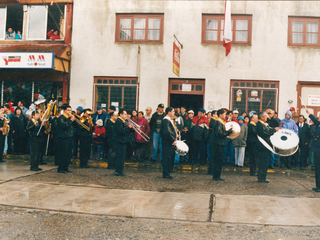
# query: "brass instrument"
{"points": [[80, 120], [45, 117], [6, 126], [137, 129]]}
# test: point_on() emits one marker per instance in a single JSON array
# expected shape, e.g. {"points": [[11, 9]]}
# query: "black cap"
{"points": [[161, 105]]}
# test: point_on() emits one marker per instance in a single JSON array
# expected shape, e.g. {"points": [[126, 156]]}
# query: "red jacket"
{"points": [[52, 36], [145, 128], [202, 120]]}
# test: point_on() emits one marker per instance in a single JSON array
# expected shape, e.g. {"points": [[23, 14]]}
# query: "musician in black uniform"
{"points": [[315, 147], [264, 131], [85, 136], [169, 137], [212, 124], [54, 131], [33, 127], [252, 142], [2, 137], [65, 134], [218, 143], [120, 136], [111, 144]]}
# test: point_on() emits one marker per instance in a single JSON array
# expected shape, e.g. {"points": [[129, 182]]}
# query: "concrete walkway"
{"points": [[158, 205]]}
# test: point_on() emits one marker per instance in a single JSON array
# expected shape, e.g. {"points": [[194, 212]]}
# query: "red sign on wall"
{"points": [[176, 60]]}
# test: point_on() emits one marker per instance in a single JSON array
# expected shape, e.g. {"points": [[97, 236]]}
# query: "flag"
{"points": [[227, 33]]}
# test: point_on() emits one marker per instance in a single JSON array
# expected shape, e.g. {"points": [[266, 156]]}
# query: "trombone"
{"points": [[137, 128]]}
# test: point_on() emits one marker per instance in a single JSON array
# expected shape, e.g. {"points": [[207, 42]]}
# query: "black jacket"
{"points": [[303, 133], [212, 125], [274, 123], [153, 121], [315, 145], [109, 129], [65, 126], [121, 131], [168, 132], [220, 134], [82, 132], [54, 126], [252, 133], [18, 126], [1, 125], [264, 132], [34, 129]]}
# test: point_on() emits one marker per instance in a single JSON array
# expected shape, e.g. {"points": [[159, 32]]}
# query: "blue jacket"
{"points": [[289, 124]]}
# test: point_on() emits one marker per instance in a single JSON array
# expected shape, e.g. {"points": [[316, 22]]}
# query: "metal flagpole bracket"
{"points": [[181, 45]]}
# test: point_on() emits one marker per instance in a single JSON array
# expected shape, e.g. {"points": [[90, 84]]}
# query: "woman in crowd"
{"points": [[140, 141], [240, 143], [19, 133]]}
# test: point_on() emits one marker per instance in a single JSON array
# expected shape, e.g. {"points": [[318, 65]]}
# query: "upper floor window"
{"points": [[139, 28], [212, 29], [42, 22], [303, 31]]}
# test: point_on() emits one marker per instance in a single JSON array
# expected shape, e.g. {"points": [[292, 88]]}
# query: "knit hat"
{"points": [[99, 108], [99, 122], [240, 118], [80, 108], [112, 108]]}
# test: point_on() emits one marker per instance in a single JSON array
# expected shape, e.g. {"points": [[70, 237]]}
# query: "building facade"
{"points": [[122, 54], [34, 61]]}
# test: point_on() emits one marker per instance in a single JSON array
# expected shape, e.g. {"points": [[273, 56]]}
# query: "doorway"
{"points": [[187, 92], [191, 102], [309, 92]]}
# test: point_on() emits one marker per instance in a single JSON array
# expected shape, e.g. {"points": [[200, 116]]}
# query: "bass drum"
{"points": [[235, 129], [285, 142]]}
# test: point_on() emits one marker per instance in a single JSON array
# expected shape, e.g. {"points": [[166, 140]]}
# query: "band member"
{"points": [[65, 134], [212, 124], [315, 148], [54, 131], [33, 128], [252, 144], [219, 142], [169, 137], [2, 137], [85, 135], [264, 131], [120, 136], [111, 144]]}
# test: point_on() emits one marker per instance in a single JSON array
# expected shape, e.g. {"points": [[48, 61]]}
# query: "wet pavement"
{"points": [[143, 194]]}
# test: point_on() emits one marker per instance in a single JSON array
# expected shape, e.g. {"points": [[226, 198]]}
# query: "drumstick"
{"points": [[303, 103]]}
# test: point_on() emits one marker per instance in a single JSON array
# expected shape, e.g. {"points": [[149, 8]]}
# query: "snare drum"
{"points": [[285, 142], [181, 148]]}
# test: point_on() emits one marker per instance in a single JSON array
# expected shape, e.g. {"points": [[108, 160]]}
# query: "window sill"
{"points": [[136, 42], [31, 41]]}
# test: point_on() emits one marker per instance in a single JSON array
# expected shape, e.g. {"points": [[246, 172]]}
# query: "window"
{"points": [[40, 19], [212, 29], [303, 31], [139, 28], [259, 97], [120, 92]]}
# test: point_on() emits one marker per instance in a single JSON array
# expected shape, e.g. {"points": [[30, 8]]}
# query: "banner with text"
{"points": [[39, 60], [176, 59]]}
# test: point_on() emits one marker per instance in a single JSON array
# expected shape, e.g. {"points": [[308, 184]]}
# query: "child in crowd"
{"points": [[99, 135]]}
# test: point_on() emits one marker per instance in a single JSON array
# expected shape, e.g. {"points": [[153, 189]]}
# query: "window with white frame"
{"points": [[43, 22]]}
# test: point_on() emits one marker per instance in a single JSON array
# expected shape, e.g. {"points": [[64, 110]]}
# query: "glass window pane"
{"points": [[269, 99], [199, 88], [239, 101], [139, 34], [312, 38], [212, 24], [127, 81], [105, 81], [116, 81], [140, 23], [260, 84], [254, 84], [248, 84], [297, 37], [116, 95], [175, 87], [125, 34], [2, 22], [121, 81], [99, 81], [154, 35], [125, 23], [37, 24], [297, 26], [312, 27], [241, 36], [266, 85], [110, 81], [102, 95], [154, 24], [273, 85], [241, 24], [242, 84], [130, 98], [212, 35], [236, 84]]}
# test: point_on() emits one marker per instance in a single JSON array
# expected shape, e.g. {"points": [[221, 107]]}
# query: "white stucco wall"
{"points": [[95, 53]]}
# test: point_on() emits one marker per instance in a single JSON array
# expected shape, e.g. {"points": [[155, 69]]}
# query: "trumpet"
{"points": [[137, 129]]}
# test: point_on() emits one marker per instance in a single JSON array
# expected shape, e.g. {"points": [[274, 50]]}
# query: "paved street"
{"points": [[94, 204]]}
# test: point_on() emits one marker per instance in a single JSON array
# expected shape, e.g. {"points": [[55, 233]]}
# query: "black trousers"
{"points": [[139, 150], [317, 168], [211, 159], [120, 156], [20, 144], [218, 159], [263, 163], [2, 140], [56, 150], [65, 153], [85, 150], [112, 155], [35, 152], [167, 157], [252, 149]]}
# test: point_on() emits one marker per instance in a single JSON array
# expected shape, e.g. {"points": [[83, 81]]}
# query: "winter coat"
{"points": [[19, 126], [289, 124], [241, 140], [145, 128], [201, 129]]}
